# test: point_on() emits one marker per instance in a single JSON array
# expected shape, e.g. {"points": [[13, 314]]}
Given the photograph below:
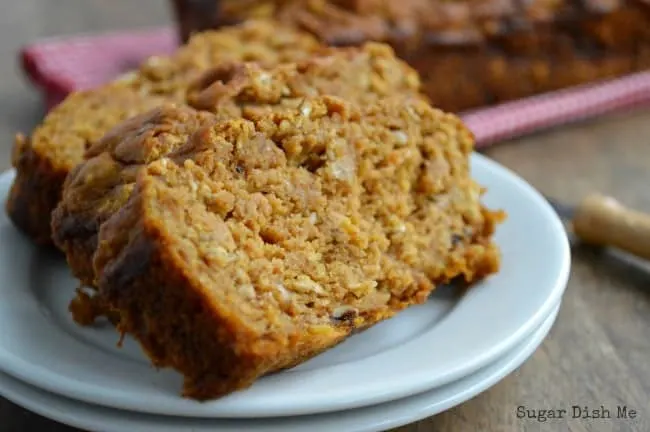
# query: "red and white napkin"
{"points": [[60, 66]]}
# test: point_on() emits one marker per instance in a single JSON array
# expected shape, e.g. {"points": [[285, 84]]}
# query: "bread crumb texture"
{"points": [[263, 240]]}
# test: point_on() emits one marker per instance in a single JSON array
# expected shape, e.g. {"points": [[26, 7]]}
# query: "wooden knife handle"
{"points": [[601, 220]]}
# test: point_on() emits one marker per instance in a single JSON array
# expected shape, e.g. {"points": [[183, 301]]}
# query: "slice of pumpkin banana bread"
{"points": [[263, 241], [43, 160], [101, 185]]}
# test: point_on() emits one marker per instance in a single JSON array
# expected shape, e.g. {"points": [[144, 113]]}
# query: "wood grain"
{"points": [[597, 353]]}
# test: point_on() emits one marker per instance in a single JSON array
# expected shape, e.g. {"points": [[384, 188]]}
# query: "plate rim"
{"points": [[469, 388], [88, 392]]}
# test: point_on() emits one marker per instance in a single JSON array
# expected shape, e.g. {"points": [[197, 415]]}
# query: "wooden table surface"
{"points": [[598, 352]]}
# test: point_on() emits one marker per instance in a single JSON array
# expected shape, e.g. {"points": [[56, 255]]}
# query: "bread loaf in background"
{"points": [[470, 53]]}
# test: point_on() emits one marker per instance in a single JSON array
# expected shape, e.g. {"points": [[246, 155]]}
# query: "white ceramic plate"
{"points": [[424, 347], [369, 419]]}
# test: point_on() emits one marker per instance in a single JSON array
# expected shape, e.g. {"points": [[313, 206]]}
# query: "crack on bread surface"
{"points": [[250, 260]]}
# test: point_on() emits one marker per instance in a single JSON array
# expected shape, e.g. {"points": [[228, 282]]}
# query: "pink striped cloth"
{"points": [[60, 66]]}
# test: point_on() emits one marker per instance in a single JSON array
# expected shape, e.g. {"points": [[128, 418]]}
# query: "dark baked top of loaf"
{"points": [[447, 22]]}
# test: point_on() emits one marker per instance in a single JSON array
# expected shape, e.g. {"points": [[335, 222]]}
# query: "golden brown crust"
{"points": [[36, 190], [262, 242], [43, 160]]}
